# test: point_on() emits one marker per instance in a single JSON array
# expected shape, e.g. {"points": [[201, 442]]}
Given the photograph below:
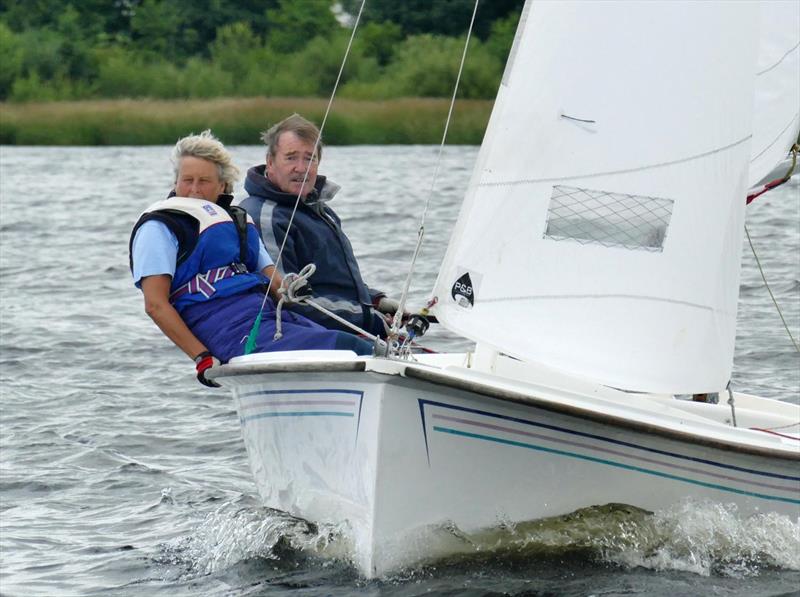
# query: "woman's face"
{"points": [[198, 179]]}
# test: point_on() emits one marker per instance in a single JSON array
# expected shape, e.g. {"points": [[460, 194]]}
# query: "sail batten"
{"points": [[610, 249]]}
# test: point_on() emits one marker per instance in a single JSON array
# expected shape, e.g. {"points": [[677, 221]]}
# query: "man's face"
{"points": [[287, 168], [199, 179]]}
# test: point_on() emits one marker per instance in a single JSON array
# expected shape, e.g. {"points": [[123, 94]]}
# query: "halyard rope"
{"points": [[253, 335], [398, 316]]}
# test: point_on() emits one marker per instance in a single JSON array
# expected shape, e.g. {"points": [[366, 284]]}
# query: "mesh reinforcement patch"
{"points": [[609, 219]]}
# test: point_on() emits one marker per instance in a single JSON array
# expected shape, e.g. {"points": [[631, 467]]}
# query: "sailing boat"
{"points": [[595, 263]]}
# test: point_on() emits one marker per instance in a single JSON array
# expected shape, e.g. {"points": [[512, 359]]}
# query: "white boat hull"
{"points": [[391, 449]]}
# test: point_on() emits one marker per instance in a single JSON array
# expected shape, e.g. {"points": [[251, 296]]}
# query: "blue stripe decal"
{"points": [[423, 402], [309, 391], [611, 463], [296, 414]]}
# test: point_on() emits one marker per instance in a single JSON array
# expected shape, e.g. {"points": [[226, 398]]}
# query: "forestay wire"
{"points": [[772, 296], [250, 345], [398, 316]]}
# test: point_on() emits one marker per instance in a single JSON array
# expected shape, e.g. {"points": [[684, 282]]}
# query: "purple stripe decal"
{"points": [[609, 451], [298, 403]]}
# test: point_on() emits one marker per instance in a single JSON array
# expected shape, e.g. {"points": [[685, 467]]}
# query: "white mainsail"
{"points": [[602, 228], [777, 93]]}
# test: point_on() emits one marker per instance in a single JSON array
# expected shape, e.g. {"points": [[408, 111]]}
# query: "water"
{"points": [[121, 475]]}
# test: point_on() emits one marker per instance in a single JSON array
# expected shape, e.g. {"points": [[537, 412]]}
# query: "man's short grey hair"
{"points": [[207, 147], [305, 129]]}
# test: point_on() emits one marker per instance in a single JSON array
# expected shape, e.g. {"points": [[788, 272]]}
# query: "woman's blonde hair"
{"points": [[207, 147]]}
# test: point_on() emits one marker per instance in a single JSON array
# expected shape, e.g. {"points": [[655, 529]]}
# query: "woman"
{"points": [[203, 276]]}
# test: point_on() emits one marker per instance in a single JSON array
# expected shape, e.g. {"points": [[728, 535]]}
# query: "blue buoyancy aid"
{"points": [[209, 250]]}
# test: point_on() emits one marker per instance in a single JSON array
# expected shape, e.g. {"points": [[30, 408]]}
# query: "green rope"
{"points": [[772, 296], [250, 346]]}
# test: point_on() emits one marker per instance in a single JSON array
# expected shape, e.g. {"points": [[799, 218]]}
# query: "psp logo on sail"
{"points": [[463, 292]]}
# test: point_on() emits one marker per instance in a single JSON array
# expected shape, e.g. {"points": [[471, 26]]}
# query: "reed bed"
{"points": [[238, 121]]}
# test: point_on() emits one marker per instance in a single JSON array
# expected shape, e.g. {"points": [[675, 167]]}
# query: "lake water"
{"points": [[121, 475]]}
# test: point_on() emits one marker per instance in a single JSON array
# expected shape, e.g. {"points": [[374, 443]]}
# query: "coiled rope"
{"points": [[292, 283], [250, 345], [398, 316]]}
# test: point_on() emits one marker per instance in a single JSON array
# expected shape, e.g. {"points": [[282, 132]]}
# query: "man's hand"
{"points": [[387, 305], [203, 362]]}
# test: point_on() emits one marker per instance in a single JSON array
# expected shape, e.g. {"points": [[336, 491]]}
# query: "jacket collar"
{"points": [[256, 183]]}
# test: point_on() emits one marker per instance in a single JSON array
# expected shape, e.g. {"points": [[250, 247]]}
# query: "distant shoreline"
{"points": [[238, 121]]}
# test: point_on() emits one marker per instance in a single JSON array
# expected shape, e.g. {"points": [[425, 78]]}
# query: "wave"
{"points": [[703, 538]]}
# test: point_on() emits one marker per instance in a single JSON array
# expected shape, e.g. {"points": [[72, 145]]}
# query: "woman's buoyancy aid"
{"points": [[209, 262]]}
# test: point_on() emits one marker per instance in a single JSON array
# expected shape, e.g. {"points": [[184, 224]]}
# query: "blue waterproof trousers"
{"points": [[224, 324]]}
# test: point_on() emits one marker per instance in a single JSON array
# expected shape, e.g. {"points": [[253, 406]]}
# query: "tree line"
{"points": [[52, 50]]}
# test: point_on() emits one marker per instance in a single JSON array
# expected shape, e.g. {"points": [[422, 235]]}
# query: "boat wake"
{"points": [[707, 539], [233, 534], [703, 538]]}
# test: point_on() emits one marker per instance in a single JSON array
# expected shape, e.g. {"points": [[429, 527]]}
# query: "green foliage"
{"points": [[427, 66], [294, 22], [74, 52], [237, 50], [199, 79], [124, 73], [11, 62], [319, 63], [53, 50], [31, 88], [154, 25], [41, 52], [502, 36], [379, 40], [443, 17]]}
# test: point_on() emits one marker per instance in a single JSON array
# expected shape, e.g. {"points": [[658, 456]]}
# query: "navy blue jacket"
{"points": [[316, 237]]}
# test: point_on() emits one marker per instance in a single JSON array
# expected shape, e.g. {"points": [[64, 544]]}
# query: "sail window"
{"points": [[609, 219]]}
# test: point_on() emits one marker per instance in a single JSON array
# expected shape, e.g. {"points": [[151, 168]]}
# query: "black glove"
{"points": [[295, 288], [303, 290], [203, 362]]}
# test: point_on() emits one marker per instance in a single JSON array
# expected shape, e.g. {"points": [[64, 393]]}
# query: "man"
{"points": [[316, 234]]}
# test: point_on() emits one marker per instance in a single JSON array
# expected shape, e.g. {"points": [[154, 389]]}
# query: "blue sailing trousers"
{"points": [[223, 326]]}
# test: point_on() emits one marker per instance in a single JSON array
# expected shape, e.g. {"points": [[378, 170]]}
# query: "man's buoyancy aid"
{"points": [[209, 260]]}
